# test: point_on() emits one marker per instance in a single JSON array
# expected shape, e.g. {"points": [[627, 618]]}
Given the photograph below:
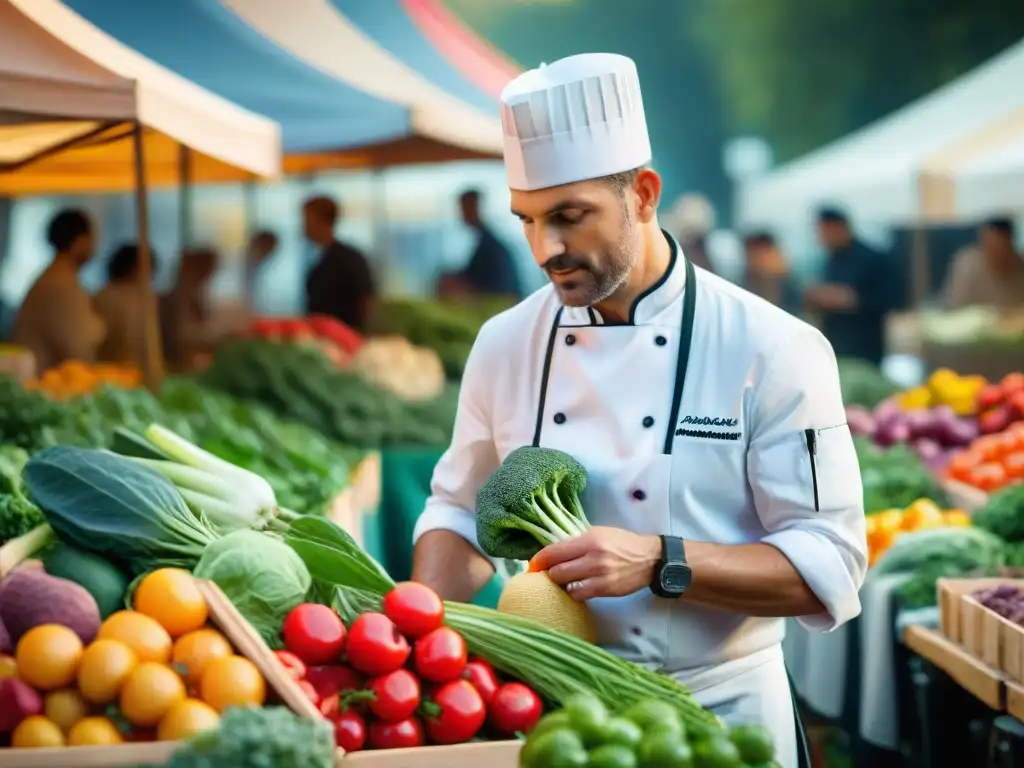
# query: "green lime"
{"points": [[619, 730], [652, 713], [716, 751], [612, 756], [665, 748], [754, 743], [588, 717], [550, 721], [558, 748]]}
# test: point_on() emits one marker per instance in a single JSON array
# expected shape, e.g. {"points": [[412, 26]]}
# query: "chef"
{"points": [[723, 486]]}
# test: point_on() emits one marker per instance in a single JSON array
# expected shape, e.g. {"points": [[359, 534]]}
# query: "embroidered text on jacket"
{"points": [[706, 421]]}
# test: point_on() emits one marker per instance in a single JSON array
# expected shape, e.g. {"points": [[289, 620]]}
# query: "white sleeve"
{"points": [[471, 457], [803, 471]]}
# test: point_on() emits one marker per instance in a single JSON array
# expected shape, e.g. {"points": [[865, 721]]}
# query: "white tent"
{"points": [[316, 32], [875, 173], [71, 97]]}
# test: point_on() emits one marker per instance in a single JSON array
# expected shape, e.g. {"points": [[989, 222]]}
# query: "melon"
{"points": [[534, 595]]}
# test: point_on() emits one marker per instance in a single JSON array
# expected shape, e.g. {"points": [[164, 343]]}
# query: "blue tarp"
{"points": [[390, 26], [206, 43]]}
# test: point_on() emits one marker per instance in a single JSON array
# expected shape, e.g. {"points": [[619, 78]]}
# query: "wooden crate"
{"points": [[963, 496], [494, 754], [246, 642], [983, 633]]}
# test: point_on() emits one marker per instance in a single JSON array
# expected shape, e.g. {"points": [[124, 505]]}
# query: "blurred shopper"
{"points": [[989, 274], [856, 293], [57, 321], [691, 219], [122, 303], [184, 311], [767, 273], [340, 284], [261, 247], [491, 269]]}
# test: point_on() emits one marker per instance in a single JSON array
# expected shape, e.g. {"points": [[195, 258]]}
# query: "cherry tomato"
{"points": [[989, 397], [396, 695], [310, 692], [314, 633], [292, 664], [1012, 382], [440, 656], [460, 713], [962, 464], [403, 735], [415, 608], [375, 646], [988, 447], [514, 709], [988, 476], [349, 731], [1016, 401], [1014, 465], [481, 675], [329, 679]]}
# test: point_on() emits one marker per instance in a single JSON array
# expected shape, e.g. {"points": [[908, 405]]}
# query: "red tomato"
{"points": [[481, 675], [989, 397], [988, 476], [311, 693], [988, 447], [1017, 402], [349, 731], [460, 713], [396, 695], [314, 633], [1014, 465], [440, 656], [403, 735], [330, 679], [514, 709], [415, 608], [1012, 382], [292, 664], [375, 646], [962, 464]]}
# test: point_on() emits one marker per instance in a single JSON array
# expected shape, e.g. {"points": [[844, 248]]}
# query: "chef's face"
{"points": [[585, 236]]}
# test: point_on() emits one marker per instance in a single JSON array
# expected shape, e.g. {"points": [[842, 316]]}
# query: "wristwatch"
{"points": [[672, 575]]}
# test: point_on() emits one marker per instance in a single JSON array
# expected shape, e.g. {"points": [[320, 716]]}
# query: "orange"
{"points": [[48, 656], [185, 719], [149, 693], [37, 731], [65, 708], [172, 597], [194, 650], [139, 632], [105, 666], [232, 682], [94, 732]]}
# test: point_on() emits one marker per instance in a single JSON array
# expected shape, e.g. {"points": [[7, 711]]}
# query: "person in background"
{"points": [[991, 274], [692, 219], [121, 303], [261, 247], [856, 293], [340, 284], [57, 321], [491, 269], [767, 273], [184, 311]]}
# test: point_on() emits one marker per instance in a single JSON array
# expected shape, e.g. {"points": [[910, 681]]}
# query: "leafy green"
{"points": [[966, 549], [894, 477], [107, 504], [1003, 514], [333, 556], [18, 515], [863, 384], [262, 576]]}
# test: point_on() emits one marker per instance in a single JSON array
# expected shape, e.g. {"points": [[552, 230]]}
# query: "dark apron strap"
{"points": [[803, 747], [683, 355]]}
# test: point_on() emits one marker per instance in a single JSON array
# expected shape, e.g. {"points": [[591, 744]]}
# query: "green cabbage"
{"points": [[261, 575]]}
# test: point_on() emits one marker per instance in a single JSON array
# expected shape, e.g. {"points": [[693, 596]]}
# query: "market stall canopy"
{"points": [[327, 120], [70, 96], [875, 173]]}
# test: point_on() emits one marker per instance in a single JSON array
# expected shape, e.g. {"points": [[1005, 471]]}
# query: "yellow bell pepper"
{"points": [[921, 515], [915, 399], [956, 518]]}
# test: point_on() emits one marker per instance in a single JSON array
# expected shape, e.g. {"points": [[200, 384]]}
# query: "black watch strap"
{"points": [[672, 550], [672, 574]]}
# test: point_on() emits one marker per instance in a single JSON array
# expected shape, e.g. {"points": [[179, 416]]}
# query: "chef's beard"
{"points": [[596, 279]]}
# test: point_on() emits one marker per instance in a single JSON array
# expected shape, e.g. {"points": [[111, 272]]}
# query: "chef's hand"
{"points": [[603, 562]]}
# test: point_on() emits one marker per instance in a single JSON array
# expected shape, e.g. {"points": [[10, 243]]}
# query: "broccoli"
{"points": [[530, 501], [18, 515]]}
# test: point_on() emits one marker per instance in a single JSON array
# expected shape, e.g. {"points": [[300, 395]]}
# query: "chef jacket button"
{"points": [[660, 340], [570, 339], [639, 494], [648, 421], [559, 418], [636, 631]]}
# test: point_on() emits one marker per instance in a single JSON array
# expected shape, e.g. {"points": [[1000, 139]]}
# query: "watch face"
{"points": [[675, 577]]}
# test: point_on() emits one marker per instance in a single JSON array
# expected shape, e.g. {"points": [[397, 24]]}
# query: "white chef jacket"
{"points": [[756, 449]]}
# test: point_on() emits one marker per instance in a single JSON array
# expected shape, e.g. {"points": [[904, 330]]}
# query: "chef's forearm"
{"points": [[751, 579], [450, 565]]}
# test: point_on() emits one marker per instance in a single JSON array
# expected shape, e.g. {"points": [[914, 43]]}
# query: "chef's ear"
{"points": [[648, 191]]}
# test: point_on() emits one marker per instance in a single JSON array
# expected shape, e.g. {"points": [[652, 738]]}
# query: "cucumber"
{"points": [[99, 578]]}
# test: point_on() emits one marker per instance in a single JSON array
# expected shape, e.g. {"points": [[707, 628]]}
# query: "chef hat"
{"points": [[579, 118]]}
